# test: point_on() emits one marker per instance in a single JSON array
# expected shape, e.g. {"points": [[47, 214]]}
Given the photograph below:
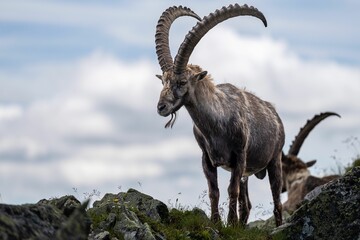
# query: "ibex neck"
{"points": [[207, 106], [295, 180]]}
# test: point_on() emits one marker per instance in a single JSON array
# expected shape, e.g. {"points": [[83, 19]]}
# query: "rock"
{"points": [[123, 215], [331, 212], [67, 204], [151, 207], [269, 223], [77, 226], [44, 220], [103, 236]]}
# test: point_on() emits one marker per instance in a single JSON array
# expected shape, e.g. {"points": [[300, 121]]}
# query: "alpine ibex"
{"points": [[235, 129], [297, 180]]}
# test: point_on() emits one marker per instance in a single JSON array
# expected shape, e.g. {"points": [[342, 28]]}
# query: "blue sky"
{"points": [[78, 92]]}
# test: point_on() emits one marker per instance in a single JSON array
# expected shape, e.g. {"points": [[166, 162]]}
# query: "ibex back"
{"points": [[235, 129]]}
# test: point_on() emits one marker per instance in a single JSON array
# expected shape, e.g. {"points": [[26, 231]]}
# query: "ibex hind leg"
{"points": [[244, 201], [275, 178]]}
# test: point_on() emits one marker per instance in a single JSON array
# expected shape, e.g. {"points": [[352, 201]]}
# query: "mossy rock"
{"points": [[333, 213], [44, 220], [125, 215], [134, 199]]}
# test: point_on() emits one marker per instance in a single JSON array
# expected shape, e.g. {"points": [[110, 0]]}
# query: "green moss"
{"points": [[194, 224], [189, 220], [96, 219], [178, 224], [243, 233], [355, 163]]}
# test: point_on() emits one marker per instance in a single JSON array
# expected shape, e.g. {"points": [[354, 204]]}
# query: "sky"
{"points": [[78, 94]]}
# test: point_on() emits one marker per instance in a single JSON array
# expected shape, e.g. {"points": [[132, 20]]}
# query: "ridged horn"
{"points": [[162, 34], [207, 23], [304, 131]]}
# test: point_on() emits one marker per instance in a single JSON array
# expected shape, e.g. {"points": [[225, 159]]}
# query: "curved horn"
{"points": [[207, 23], [304, 131], [162, 34]]}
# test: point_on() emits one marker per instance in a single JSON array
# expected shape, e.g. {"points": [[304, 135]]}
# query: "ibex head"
{"points": [[293, 167], [178, 77], [176, 89]]}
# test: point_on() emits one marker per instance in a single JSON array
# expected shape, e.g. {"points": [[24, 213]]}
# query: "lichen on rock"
{"points": [[332, 213], [120, 214]]}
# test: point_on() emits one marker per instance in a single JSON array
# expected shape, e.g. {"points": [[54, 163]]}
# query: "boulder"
{"points": [[124, 215], [154, 209], [329, 212], [45, 220]]}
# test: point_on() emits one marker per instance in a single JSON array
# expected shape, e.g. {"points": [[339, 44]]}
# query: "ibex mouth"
{"points": [[172, 120], [165, 108]]}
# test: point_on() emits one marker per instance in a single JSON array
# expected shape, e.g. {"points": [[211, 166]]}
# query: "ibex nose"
{"points": [[161, 106]]}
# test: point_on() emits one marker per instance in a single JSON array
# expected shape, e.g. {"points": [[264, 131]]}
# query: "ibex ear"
{"points": [[200, 76], [159, 76], [310, 163]]}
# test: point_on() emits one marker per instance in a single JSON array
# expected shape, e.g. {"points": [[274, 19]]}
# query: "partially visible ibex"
{"points": [[235, 129], [297, 180]]}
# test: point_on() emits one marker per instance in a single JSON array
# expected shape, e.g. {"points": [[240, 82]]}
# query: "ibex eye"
{"points": [[181, 83]]}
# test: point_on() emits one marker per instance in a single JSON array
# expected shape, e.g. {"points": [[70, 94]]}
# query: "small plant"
{"points": [[87, 195], [353, 144], [92, 194], [177, 205], [261, 211], [355, 163]]}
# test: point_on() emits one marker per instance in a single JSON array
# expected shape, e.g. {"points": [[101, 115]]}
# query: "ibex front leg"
{"points": [[211, 176]]}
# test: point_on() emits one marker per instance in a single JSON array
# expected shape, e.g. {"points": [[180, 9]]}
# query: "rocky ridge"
{"points": [[329, 212]]}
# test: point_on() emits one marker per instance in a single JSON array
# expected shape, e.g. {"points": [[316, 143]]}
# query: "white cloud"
{"points": [[110, 163], [18, 145], [47, 171], [92, 165], [67, 116], [46, 126], [76, 109], [103, 77], [11, 112]]}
